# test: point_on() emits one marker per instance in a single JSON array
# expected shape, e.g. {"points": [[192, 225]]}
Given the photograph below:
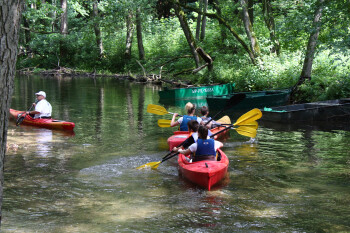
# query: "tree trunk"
{"points": [[97, 29], [218, 11], [53, 16], [251, 11], [233, 32], [139, 35], [270, 23], [64, 18], [204, 19], [10, 14], [64, 29], [129, 35], [186, 29], [199, 19], [311, 47], [254, 46]]}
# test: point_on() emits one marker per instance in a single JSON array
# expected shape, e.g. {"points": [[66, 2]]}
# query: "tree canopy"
{"points": [[256, 44]]}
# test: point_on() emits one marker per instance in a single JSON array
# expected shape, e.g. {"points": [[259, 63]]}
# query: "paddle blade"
{"points": [[150, 164], [249, 117], [156, 109], [224, 120], [164, 123], [253, 124], [234, 100], [246, 131]]}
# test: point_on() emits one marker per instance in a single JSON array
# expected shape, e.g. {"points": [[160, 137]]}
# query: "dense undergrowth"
{"points": [[164, 40]]}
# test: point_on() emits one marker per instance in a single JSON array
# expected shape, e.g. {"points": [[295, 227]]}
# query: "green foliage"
{"points": [[165, 44]]}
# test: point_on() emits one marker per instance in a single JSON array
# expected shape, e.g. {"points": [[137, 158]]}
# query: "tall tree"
{"points": [[254, 46], [129, 35], [64, 18], [199, 20], [270, 23], [204, 19], [10, 14], [139, 34], [64, 28], [97, 29], [187, 31], [311, 46]]}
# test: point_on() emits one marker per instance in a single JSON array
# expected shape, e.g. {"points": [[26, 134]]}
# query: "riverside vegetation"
{"points": [[259, 45]]}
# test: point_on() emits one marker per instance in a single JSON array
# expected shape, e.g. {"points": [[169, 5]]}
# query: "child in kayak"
{"points": [[205, 118], [182, 121], [204, 149], [193, 128]]}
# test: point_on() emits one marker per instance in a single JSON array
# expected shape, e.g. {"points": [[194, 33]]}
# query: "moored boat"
{"points": [[257, 99], [180, 136], [196, 92], [43, 122], [330, 110], [204, 173]]}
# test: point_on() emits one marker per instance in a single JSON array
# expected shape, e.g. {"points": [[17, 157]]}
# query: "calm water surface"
{"points": [[291, 180]]}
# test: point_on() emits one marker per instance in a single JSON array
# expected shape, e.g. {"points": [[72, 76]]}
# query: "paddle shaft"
{"points": [[21, 118], [236, 99]]}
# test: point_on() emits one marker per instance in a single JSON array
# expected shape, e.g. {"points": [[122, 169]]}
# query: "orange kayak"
{"points": [[180, 136], [205, 174], [41, 122]]}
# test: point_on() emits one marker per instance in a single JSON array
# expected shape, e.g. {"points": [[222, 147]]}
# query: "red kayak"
{"points": [[180, 136], [44, 123], [204, 173]]}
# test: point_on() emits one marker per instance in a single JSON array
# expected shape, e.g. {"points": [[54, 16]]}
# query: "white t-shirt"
{"points": [[193, 147], [44, 107]]}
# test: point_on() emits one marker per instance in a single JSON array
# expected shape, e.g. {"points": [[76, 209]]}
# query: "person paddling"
{"points": [[182, 121], [43, 108], [204, 149], [205, 118]]}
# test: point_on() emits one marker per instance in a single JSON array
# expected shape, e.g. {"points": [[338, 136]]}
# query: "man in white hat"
{"points": [[43, 108]]}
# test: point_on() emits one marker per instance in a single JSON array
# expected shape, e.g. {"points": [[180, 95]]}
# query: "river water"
{"points": [[293, 179]]}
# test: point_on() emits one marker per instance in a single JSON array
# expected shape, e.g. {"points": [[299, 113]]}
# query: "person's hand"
{"points": [[175, 149], [176, 114], [34, 104]]}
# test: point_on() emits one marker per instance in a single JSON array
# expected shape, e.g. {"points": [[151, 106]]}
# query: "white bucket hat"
{"points": [[41, 93]]}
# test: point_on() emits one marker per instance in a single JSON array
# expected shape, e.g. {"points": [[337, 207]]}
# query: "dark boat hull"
{"points": [[322, 111]]}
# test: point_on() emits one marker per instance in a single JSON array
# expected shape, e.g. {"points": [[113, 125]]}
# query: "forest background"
{"points": [[257, 44]]}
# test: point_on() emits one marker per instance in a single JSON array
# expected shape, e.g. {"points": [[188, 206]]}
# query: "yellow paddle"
{"points": [[154, 165], [166, 123], [248, 117], [243, 130], [157, 109], [253, 124], [244, 120]]}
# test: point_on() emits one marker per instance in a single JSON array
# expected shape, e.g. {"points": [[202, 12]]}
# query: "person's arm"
{"points": [[218, 145], [173, 120], [182, 151]]}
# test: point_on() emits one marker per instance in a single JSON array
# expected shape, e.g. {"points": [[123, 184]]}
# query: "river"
{"points": [[290, 180]]}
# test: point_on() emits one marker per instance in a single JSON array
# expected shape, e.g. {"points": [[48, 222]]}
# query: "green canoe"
{"points": [[257, 99], [196, 92]]}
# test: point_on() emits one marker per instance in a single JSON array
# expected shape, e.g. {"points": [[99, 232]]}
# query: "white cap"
{"points": [[41, 93]]}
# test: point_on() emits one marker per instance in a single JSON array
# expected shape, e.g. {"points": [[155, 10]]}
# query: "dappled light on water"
{"points": [[288, 179]]}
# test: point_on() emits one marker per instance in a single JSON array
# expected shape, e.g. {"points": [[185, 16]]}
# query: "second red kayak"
{"points": [[204, 173], [180, 136], [41, 122]]}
